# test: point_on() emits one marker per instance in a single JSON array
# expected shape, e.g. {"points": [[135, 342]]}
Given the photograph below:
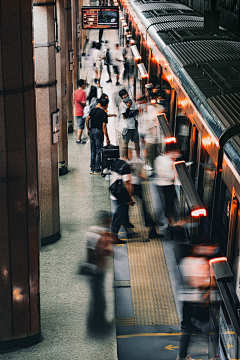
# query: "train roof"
{"points": [[208, 65]]}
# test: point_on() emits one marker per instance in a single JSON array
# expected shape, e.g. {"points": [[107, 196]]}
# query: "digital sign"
{"points": [[100, 18]]}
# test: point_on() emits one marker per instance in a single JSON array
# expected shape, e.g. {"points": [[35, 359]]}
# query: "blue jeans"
{"points": [[96, 137]]}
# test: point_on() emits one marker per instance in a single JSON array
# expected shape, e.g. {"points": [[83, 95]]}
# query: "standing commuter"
{"points": [[79, 102], [116, 56], [128, 61], [128, 112], [121, 168], [97, 126], [164, 168]]}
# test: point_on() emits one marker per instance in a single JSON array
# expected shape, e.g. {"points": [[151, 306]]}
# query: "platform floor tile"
{"points": [[153, 300]]}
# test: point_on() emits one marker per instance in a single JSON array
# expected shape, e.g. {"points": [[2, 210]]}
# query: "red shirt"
{"points": [[78, 96]]}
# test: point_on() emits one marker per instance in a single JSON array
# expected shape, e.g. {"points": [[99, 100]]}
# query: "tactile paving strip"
{"points": [[153, 301]]}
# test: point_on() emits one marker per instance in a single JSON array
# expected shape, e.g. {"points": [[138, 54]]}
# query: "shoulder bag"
{"points": [[118, 188]]}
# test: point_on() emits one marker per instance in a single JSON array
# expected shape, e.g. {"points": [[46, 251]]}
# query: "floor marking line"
{"points": [[148, 334]]}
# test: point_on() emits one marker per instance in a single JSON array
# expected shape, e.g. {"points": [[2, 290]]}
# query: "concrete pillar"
{"points": [[74, 42], [68, 24], [45, 67], [19, 256], [62, 89]]}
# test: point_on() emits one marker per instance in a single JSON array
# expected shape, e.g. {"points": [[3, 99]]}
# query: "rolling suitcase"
{"points": [[109, 155]]}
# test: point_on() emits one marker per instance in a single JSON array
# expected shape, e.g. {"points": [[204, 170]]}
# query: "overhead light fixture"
{"points": [[135, 52], [170, 140], [143, 71], [199, 212]]}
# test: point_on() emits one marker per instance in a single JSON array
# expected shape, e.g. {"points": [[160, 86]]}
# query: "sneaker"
{"points": [[120, 241], [147, 167], [191, 328], [185, 358], [80, 141], [129, 225], [91, 172], [118, 83], [97, 173], [154, 235], [109, 80]]}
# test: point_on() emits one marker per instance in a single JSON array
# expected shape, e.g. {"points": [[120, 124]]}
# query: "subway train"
{"points": [[195, 64]]}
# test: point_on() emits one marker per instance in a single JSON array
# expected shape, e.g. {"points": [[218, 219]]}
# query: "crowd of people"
{"points": [[143, 150]]}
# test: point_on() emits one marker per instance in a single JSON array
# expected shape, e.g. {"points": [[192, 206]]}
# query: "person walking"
{"points": [[107, 62], [128, 61], [97, 59], [116, 56], [120, 168], [79, 102], [97, 126], [128, 112]]}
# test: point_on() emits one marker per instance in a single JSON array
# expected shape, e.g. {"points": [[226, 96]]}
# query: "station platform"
{"points": [[143, 313]]}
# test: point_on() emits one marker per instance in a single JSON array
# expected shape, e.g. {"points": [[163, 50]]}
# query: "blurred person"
{"points": [[99, 245], [107, 62], [151, 137], [121, 168], [196, 281], [128, 111], [128, 61], [97, 59], [137, 178], [79, 102], [116, 56], [97, 126], [164, 168], [90, 61]]}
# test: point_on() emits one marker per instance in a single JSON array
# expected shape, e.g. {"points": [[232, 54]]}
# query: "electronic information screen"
{"points": [[100, 18]]}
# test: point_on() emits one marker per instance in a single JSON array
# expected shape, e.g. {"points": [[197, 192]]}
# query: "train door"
{"points": [[173, 109], [232, 206], [182, 133], [207, 172], [194, 154]]}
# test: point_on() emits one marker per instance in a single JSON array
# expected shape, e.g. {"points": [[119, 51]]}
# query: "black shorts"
{"points": [[116, 69]]}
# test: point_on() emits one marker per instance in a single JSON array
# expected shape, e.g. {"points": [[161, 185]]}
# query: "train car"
{"points": [[199, 75]]}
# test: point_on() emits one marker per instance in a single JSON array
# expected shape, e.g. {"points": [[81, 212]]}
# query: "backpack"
{"points": [[107, 60]]}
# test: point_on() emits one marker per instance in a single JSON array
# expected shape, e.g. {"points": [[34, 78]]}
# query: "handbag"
{"points": [[118, 189]]}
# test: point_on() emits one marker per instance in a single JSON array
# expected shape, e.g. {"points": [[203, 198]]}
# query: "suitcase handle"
{"points": [[108, 146]]}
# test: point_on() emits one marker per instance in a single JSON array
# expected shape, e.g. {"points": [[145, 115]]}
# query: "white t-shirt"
{"points": [[116, 54], [122, 109], [97, 55], [164, 168], [127, 52]]}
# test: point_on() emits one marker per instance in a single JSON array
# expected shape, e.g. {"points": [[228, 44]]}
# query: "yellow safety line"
{"points": [[148, 334], [153, 301]]}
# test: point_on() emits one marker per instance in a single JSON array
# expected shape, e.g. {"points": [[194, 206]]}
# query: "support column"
{"points": [[62, 89], [74, 43], [19, 256], [45, 66], [68, 24]]}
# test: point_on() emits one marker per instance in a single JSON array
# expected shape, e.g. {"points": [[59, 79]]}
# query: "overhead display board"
{"points": [[106, 17]]}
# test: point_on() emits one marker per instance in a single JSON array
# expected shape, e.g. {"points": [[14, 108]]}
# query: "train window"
{"points": [[206, 180], [182, 133]]}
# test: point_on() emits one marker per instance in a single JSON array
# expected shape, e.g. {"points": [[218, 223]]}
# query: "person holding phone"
{"points": [[129, 112]]}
